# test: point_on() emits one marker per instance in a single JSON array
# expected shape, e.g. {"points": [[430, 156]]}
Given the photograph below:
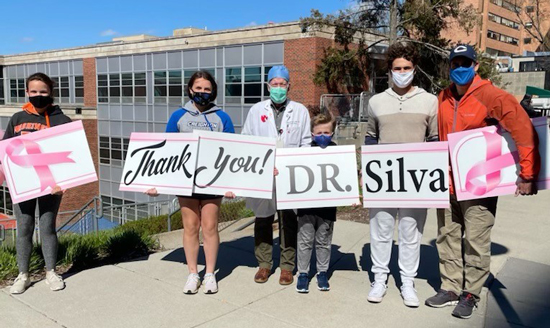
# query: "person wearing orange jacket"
{"points": [[464, 230]]}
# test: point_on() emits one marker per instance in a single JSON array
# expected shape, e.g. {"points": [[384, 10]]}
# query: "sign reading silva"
{"points": [[485, 161], [233, 162], [314, 177], [35, 163], [165, 161], [413, 175]]}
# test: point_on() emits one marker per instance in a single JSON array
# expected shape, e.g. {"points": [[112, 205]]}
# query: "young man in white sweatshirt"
{"points": [[403, 113]]}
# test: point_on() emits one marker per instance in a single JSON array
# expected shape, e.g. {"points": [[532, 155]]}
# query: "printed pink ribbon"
{"points": [[491, 167], [36, 159]]}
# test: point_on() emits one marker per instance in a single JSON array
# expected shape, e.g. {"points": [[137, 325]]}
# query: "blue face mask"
{"points": [[201, 98], [462, 75], [323, 140]]}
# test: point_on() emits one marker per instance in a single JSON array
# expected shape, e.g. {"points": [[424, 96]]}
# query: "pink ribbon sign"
{"points": [[36, 159], [494, 162]]}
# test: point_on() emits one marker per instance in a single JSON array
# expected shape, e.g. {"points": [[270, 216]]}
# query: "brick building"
{"points": [[136, 83], [501, 32]]}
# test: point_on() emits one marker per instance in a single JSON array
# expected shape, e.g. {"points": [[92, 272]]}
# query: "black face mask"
{"points": [[201, 98], [41, 101]]}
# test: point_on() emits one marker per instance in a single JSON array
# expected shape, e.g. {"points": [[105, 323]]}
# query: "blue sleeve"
{"points": [[172, 125], [226, 121], [371, 140]]}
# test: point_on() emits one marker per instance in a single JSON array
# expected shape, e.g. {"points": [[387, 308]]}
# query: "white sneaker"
{"points": [[408, 293], [192, 285], [210, 285], [377, 292], [20, 284], [54, 281]]}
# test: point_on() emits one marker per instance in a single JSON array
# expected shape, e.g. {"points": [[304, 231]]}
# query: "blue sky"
{"points": [[31, 25]]}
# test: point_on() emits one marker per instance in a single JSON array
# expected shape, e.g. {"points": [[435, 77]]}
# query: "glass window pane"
{"points": [[174, 77], [253, 90], [102, 92], [114, 79], [175, 91], [127, 91], [140, 91], [160, 77], [233, 75], [115, 92], [160, 91], [233, 90], [64, 92]]}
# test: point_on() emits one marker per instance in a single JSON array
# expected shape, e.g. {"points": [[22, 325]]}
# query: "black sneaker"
{"points": [[465, 306], [442, 298], [302, 286]]}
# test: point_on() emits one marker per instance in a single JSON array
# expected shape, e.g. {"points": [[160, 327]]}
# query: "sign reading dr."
{"points": [[485, 161], [165, 161], [34, 163], [237, 163], [315, 177], [413, 175]]}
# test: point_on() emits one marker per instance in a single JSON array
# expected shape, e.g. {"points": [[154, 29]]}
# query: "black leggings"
{"points": [[48, 206]]}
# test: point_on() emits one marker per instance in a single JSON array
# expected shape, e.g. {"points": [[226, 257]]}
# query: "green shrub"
{"points": [[152, 225]]}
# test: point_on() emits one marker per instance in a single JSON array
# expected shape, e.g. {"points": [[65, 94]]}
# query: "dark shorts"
{"points": [[201, 196]]}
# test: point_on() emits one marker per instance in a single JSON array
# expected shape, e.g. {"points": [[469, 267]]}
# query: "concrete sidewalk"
{"points": [[147, 292]]}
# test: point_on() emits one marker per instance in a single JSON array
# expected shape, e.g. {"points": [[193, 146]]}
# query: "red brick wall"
{"points": [[75, 198], [90, 93], [301, 57]]}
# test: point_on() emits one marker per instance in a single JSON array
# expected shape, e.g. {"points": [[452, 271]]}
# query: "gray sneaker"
{"points": [[377, 292], [54, 281], [20, 284], [442, 298], [410, 299]]}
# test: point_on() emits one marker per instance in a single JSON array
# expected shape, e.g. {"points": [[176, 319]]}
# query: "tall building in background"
{"points": [[501, 32]]}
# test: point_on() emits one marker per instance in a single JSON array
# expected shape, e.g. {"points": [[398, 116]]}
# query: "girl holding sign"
{"points": [[198, 210], [38, 114]]}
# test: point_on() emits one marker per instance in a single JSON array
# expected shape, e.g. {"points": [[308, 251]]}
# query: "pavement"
{"points": [[147, 292]]}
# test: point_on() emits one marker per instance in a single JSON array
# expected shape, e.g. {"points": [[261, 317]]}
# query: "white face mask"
{"points": [[402, 80]]}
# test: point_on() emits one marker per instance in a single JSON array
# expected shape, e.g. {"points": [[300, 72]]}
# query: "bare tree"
{"points": [[532, 17]]}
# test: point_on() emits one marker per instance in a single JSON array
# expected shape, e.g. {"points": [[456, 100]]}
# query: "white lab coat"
{"points": [[296, 132]]}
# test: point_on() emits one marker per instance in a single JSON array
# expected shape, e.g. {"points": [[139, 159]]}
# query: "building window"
{"points": [[161, 85], [252, 85], [526, 40], [123, 88], [17, 91], [233, 85], [114, 88], [79, 89], [113, 150], [61, 91], [530, 9], [245, 88], [506, 4], [502, 38], [175, 87], [102, 89], [503, 21], [6, 205], [140, 89], [2, 101]]}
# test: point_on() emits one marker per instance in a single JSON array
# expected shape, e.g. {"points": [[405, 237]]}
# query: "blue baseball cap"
{"points": [[278, 71], [463, 50]]}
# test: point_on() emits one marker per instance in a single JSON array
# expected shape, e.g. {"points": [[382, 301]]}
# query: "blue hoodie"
{"points": [[189, 118]]}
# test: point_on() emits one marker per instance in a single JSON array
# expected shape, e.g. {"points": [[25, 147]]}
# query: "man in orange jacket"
{"points": [[464, 230]]}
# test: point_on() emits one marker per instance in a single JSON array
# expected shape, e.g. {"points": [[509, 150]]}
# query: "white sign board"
{"points": [[313, 177], [36, 162], [485, 161], [237, 163], [412, 175], [165, 161]]}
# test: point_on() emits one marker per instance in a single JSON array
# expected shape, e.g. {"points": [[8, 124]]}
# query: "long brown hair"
{"points": [[207, 76]]}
